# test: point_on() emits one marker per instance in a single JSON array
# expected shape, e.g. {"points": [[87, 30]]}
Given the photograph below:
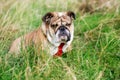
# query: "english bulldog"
{"points": [[55, 35]]}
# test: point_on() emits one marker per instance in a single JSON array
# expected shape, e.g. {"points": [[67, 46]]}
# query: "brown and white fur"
{"points": [[57, 28]]}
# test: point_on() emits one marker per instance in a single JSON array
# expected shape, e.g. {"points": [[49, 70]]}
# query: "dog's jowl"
{"points": [[55, 34]]}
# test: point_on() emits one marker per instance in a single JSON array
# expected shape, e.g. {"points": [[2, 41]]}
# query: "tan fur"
{"points": [[36, 37]]}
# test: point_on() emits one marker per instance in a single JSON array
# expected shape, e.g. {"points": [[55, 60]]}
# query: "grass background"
{"points": [[96, 45]]}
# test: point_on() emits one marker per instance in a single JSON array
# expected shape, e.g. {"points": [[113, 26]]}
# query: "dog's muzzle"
{"points": [[64, 34]]}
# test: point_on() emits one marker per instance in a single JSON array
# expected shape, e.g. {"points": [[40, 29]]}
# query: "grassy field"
{"points": [[96, 45]]}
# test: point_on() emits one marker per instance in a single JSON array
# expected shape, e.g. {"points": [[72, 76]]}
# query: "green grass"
{"points": [[96, 45]]}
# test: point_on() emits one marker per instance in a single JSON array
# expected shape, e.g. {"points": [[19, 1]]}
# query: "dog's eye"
{"points": [[54, 25], [68, 24]]}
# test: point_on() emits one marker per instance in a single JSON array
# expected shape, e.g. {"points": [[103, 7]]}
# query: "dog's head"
{"points": [[58, 26]]}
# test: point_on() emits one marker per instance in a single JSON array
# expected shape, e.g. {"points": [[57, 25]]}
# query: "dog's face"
{"points": [[58, 26]]}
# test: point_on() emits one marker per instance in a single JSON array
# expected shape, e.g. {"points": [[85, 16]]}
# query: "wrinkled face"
{"points": [[59, 26]]}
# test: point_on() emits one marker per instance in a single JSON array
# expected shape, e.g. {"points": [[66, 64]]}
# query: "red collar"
{"points": [[59, 52]]}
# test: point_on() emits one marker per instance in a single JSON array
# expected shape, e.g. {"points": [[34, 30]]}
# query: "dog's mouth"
{"points": [[64, 37], [63, 34]]}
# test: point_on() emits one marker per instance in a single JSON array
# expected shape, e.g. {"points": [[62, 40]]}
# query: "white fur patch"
{"points": [[60, 14]]}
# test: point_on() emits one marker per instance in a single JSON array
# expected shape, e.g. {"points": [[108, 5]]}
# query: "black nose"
{"points": [[62, 28]]}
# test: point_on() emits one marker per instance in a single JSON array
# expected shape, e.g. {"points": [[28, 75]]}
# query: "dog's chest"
{"points": [[53, 50], [59, 50]]}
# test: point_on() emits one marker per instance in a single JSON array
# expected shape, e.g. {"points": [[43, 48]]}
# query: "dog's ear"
{"points": [[47, 17], [71, 14]]}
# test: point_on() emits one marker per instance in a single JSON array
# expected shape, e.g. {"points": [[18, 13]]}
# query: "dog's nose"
{"points": [[62, 28]]}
